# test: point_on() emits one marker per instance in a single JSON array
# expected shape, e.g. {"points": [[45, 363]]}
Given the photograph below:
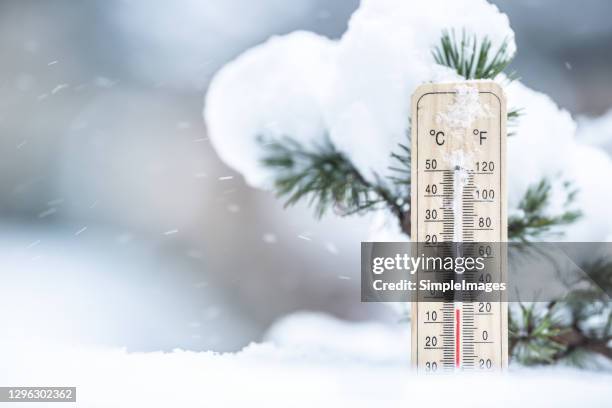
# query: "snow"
{"points": [[597, 131], [368, 342], [308, 360], [458, 116], [381, 59], [268, 91], [356, 91], [464, 110], [545, 145], [113, 288]]}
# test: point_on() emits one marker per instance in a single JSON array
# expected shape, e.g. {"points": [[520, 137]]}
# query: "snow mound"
{"points": [[381, 59], [283, 374], [597, 131], [273, 90], [356, 92], [318, 334], [545, 145]]}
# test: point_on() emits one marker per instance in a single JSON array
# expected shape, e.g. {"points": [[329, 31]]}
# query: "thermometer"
{"points": [[459, 196]]}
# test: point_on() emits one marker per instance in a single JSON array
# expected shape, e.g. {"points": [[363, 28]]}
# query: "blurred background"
{"points": [[118, 224]]}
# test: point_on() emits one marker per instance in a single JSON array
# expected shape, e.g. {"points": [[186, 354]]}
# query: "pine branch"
{"points": [[575, 342], [402, 169], [473, 59], [513, 116], [533, 222], [533, 334], [402, 182], [559, 331], [538, 336], [325, 177], [328, 180]]}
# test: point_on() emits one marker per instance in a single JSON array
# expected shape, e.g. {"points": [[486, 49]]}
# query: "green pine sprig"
{"points": [[324, 177], [533, 222], [558, 331], [471, 58], [474, 59], [533, 332]]}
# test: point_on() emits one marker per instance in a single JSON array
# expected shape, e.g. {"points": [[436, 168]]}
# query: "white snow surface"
{"points": [[308, 360], [545, 145], [464, 110], [356, 92], [597, 131], [273, 90]]}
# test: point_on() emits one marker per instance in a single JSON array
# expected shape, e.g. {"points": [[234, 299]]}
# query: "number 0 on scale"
{"points": [[459, 195]]}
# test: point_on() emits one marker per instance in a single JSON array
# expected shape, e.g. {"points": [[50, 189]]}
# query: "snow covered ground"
{"points": [[308, 360]]}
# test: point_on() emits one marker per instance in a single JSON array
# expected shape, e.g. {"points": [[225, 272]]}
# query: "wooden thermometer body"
{"points": [[459, 195]]}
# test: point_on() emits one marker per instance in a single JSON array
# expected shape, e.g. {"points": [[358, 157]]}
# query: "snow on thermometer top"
{"points": [[459, 195]]}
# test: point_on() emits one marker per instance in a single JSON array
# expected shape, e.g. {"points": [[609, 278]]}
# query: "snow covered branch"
{"points": [[321, 120]]}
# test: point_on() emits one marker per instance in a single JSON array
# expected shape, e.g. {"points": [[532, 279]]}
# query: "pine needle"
{"points": [[534, 222], [324, 177], [471, 58], [474, 59]]}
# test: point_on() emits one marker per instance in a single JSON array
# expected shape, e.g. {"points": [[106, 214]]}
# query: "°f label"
{"points": [[458, 194]]}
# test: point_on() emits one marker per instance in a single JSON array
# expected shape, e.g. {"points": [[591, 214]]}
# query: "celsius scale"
{"points": [[459, 195]]}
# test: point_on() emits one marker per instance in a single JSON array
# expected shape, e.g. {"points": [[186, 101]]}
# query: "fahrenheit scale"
{"points": [[459, 195]]}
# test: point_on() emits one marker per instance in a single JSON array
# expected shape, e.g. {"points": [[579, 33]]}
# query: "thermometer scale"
{"points": [[459, 195]]}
